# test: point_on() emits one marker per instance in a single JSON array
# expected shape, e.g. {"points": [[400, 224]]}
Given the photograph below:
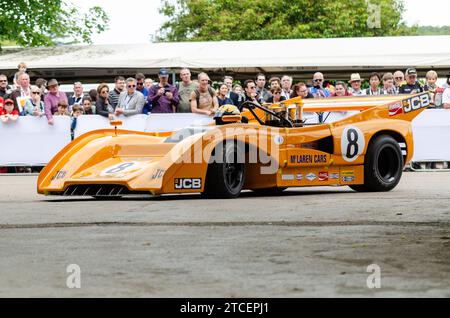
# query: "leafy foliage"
{"points": [[432, 30], [41, 22], [215, 20]]}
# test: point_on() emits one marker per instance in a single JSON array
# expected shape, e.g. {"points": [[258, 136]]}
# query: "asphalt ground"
{"points": [[309, 242]]}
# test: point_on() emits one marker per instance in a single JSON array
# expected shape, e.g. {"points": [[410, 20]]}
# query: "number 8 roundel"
{"points": [[352, 143]]}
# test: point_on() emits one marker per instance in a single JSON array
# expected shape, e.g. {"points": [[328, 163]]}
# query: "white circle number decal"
{"points": [[119, 169], [352, 143]]}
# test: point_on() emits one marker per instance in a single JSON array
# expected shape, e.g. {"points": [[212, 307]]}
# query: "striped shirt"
{"points": [[114, 98]]}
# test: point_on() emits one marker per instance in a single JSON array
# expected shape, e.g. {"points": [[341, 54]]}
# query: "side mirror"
{"points": [[115, 123]]}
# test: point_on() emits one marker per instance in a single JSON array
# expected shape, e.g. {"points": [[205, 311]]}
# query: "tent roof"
{"points": [[271, 56]]}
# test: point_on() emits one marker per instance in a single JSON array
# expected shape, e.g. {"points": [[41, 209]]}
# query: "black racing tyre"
{"points": [[383, 166], [224, 180], [269, 191]]}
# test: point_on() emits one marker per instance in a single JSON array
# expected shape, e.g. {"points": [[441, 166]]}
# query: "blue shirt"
{"points": [[319, 92]]}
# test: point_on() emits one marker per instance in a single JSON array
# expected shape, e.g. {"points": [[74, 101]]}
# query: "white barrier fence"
{"points": [[31, 141]]}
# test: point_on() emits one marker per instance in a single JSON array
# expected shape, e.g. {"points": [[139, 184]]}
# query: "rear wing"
{"points": [[404, 107]]}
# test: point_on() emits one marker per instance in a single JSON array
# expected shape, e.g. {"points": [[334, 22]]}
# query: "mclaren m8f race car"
{"points": [[264, 148]]}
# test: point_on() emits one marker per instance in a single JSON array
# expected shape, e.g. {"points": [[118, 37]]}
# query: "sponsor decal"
{"points": [[352, 143], [287, 177], [323, 176], [348, 173], [60, 174], [415, 103], [305, 159], [334, 176], [158, 174], [188, 183], [395, 109], [311, 176], [348, 179], [299, 177]]}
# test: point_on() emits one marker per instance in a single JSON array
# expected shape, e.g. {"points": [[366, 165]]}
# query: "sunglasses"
{"points": [[277, 93], [37, 93], [252, 87], [104, 92], [140, 84], [318, 80], [131, 86]]}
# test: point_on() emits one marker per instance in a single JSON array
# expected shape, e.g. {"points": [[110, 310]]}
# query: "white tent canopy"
{"points": [[271, 56]]}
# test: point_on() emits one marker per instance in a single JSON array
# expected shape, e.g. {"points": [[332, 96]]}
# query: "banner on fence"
{"points": [[31, 141]]}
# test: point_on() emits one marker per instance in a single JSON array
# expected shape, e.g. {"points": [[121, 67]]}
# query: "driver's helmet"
{"points": [[225, 110]]}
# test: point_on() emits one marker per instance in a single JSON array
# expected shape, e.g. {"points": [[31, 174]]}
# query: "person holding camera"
{"points": [[164, 96]]}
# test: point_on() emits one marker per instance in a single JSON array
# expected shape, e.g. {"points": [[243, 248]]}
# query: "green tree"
{"points": [[41, 22], [215, 20]]}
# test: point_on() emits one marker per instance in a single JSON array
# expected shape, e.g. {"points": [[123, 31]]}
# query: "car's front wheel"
{"points": [[225, 179]]}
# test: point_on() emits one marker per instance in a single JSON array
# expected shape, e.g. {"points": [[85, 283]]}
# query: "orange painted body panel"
{"points": [[312, 155]]}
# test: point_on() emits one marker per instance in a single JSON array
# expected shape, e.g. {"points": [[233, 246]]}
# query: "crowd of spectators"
{"points": [[140, 95]]}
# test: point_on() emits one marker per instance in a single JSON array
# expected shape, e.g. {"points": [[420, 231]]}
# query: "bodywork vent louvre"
{"points": [[98, 190]]}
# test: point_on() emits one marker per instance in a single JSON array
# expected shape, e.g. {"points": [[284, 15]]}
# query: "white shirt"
{"points": [[357, 93], [446, 96]]}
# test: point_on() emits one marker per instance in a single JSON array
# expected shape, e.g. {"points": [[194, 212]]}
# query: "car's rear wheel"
{"points": [[225, 179], [383, 166]]}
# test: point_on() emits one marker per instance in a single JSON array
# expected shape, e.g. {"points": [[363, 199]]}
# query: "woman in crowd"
{"points": [[341, 90], [88, 108], [222, 95], [10, 112], [102, 106], [374, 81], [300, 89], [34, 106], [276, 96], [237, 89]]}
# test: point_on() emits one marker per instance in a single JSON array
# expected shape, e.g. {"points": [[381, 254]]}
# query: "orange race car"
{"points": [[264, 148]]}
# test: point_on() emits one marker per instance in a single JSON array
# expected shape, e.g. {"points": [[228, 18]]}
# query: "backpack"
{"points": [[211, 92]]}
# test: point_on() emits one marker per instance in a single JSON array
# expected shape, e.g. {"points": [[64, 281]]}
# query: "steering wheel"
{"points": [[252, 105]]}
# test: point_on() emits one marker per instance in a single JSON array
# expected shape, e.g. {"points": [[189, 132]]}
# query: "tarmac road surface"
{"points": [[309, 242]]}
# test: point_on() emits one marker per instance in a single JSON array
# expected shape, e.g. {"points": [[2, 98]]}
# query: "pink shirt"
{"points": [[51, 103]]}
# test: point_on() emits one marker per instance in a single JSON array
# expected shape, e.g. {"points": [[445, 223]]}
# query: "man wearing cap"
{"points": [[52, 99], [412, 86], [355, 83], [163, 96]]}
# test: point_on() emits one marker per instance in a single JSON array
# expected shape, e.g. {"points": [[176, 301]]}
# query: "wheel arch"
{"points": [[398, 137]]}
